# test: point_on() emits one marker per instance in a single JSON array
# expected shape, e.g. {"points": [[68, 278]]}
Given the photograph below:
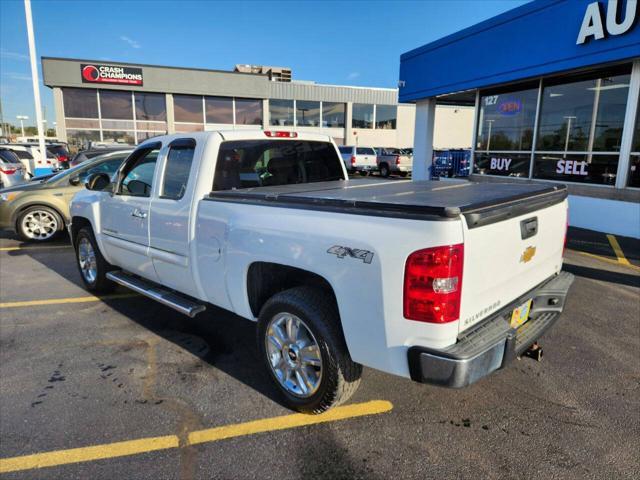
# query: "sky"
{"points": [[336, 42]]}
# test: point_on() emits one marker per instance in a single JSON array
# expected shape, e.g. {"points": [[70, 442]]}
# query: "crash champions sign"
{"points": [[94, 73]]}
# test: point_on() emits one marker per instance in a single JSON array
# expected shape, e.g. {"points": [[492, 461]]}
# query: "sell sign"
{"points": [[93, 73]]}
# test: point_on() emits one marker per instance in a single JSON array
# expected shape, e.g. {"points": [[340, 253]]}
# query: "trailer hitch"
{"points": [[534, 351]]}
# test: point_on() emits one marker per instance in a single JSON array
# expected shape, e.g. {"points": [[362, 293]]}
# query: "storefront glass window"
{"points": [[281, 112], [333, 114], [505, 131], [248, 111], [581, 168], [188, 108], [126, 138], [80, 103], [142, 136], [307, 113], [386, 117], [79, 139], [151, 106], [634, 160], [219, 109], [580, 131], [362, 116], [116, 104], [507, 121]]}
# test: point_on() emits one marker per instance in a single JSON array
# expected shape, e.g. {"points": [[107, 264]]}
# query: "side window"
{"points": [[108, 167], [137, 175], [177, 168]]}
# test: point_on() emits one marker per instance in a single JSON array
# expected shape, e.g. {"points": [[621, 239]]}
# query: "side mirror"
{"points": [[75, 180], [97, 181]]}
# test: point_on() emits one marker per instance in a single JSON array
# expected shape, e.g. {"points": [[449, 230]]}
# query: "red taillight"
{"points": [[8, 171], [397, 159], [433, 283], [274, 134], [353, 159], [63, 158]]}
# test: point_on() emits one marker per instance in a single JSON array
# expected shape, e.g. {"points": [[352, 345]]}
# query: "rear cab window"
{"points": [[365, 151], [346, 150], [260, 163]]}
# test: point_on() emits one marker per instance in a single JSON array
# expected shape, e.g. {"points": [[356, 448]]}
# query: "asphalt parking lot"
{"points": [[122, 387]]}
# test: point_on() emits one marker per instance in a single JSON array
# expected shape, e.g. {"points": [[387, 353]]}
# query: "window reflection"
{"points": [[281, 112], [307, 113], [151, 106], [362, 116], [386, 116], [188, 108], [248, 111], [80, 102], [219, 109], [333, 114], [116, 104]]}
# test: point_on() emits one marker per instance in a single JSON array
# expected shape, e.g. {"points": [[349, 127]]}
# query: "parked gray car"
{"points": [[12, 172], [394, 160]]}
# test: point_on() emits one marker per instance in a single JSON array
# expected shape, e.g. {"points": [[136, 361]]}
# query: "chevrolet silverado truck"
{"points": [[439, 283]]}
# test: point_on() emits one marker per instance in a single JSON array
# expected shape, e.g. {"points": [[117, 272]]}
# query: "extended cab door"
{"points": [[170, 227], [125, 213]]}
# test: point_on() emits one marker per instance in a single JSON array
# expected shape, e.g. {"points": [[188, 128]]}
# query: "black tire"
{"points": [[364, 173], [101, 284], [340, 375], [403, 174], [29, 235], [384, 170]]}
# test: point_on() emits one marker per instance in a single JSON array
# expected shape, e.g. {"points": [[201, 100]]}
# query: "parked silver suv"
{"points": [[359, 159]]}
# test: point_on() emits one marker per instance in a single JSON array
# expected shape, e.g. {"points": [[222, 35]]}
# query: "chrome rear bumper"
{"points": [[493, 344]]}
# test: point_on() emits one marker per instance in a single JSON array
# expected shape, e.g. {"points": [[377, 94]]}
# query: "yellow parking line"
{"points": [[59, 301], [13, 249], [144, 445], [87, 454], [609, 260], [616, 248], [288, 421]]}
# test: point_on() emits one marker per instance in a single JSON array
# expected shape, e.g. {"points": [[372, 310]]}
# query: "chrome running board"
{"points": [[178, 302]]}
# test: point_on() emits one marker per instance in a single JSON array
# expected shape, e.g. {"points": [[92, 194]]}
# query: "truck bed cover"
{"points": [[480, 203]]}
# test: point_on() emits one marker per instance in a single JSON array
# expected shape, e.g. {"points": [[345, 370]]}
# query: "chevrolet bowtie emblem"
{"points": [[528, 254]]}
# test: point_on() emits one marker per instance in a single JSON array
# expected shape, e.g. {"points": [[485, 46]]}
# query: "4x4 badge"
{"points": [[528, 254], [365, 255]]}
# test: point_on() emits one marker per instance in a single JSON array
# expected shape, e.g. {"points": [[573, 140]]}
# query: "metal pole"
{"points": [[22, 126], [34, 78]]}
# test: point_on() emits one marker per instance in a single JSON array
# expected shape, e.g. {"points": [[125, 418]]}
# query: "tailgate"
{"points": [[366, 160], [505, 259]]}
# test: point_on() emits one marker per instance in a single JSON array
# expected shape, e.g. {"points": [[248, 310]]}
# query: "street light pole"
{"points": [[22, 118], [34, 78]]}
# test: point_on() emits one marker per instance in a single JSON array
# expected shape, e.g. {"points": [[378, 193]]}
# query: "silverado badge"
{"points": [[528, 254]]}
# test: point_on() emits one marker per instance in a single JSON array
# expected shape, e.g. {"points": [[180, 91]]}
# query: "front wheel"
{"points": [[92, 266], [39, 224], [301, 342]]}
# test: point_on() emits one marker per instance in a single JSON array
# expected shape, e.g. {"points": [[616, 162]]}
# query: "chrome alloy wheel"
{"points": [[294, 355], [39, 225], [87, 260]]}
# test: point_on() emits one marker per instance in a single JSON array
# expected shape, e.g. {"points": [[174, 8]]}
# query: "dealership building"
{"points": [[554, 85], [127, 103]]}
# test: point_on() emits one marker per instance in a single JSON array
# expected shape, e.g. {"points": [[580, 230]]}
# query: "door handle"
{"points": [[139, 214]]}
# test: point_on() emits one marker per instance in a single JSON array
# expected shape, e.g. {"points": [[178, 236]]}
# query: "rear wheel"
{"points": [[92, 266], [384, 170], [300, 340], [39, 223]]}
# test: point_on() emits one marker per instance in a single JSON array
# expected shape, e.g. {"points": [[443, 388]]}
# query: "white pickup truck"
{"points": [[439, 282]]}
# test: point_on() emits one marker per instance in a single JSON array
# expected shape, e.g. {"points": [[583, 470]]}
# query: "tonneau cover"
{"points": [[481, 203]]}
